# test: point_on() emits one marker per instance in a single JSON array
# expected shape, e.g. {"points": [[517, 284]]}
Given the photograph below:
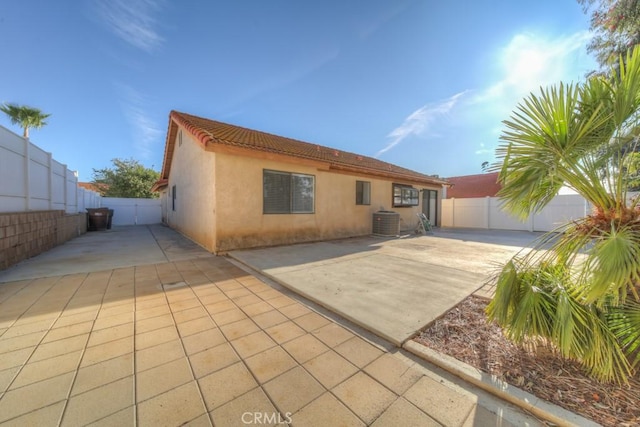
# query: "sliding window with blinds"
{"points": [[286, 193]]}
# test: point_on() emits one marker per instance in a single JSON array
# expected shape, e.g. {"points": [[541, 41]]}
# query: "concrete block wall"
{"points": [[27, 234]]}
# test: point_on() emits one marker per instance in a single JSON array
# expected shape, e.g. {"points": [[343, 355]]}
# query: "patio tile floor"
{"points": [[201, 342]]}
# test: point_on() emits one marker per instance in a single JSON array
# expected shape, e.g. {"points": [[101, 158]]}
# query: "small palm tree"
{"points": [[25, 116], [579, 288]]}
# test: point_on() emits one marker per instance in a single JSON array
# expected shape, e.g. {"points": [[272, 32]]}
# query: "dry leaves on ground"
{"points": [[465, 334]]}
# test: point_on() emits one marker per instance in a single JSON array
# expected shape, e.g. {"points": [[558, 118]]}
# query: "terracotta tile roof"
{"points": [[217, 133], [90, 186], [481, 185]]}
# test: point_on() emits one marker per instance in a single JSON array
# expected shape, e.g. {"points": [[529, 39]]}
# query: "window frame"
{"points": [[173, 197], [405, 196], [293, 199], [363, 195]]}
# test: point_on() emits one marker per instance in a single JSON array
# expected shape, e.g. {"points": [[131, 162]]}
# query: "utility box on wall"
{"points": [[386, 223]]}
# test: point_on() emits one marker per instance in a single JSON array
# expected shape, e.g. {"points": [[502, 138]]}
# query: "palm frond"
{"points": [[613, 265], [624, 322]]}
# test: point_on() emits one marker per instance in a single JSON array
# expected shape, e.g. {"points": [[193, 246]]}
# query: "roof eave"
{"points": [[160, 184], [390, 174]]}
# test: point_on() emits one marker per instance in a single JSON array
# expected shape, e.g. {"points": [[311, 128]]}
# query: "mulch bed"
{"points": [[465, 334]]}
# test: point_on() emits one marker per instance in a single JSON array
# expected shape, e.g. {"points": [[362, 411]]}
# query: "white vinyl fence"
{"points": [[31, 180], [486, 213], [133, 211]]}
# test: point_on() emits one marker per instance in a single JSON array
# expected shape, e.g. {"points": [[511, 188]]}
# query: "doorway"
{"points": [[430, 205]]}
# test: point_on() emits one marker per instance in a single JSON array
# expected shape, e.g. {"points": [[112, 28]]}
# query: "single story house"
{"points": [[227, 187], [470, 186]]}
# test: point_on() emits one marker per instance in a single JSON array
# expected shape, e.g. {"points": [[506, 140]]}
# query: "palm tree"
{"points": [[578, 289], [25, 116]]}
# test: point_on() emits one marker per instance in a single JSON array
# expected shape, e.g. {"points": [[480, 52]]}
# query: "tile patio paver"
{"points": [[43, 417], [442, 403], [311, 321], [293, 390], [60, 347], [281, 302], [252, 402], [202, 342], [269, 318], [402, 412], [228, 316], [102, 373], [358, 351], [333, 334], [239, 329], [99, 403], [158, 322], [34, 396], [111, 334], [326, 410], [305, 348], [68, 331], [175, 407], [103, 352], [45, 369], [284, 332], [270, 363], [252, 344], [213, 359], [15, 358], [21, 342], [6, 377], [158, 355], [393, 373], [160, 379], [330, 369], [225, 385], [194, 326], [125, 417], [155, 337], [368, 406]]}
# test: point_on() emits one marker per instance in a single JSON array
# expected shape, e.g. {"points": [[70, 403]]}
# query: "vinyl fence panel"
{"points": [[31, 180], [134, 211]]}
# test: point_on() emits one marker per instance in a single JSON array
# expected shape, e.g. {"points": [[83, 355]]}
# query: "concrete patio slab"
{"points": [[391, 287], [122, 246]]}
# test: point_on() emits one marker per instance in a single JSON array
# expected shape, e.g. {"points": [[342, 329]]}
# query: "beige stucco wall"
{"points": [[220, 196], [193, 174], [240, 222]]}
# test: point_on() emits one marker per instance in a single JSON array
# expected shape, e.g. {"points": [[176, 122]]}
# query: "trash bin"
{"points": [[109, 218], [98, 218]]}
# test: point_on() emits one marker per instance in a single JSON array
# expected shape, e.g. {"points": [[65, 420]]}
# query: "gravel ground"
{"points": [[465, 333]]}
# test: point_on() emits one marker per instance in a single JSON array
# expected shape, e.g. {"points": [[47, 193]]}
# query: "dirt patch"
{"points": [[465, 334]]}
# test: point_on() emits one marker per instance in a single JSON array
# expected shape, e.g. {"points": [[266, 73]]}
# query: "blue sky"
{"points": [[422, 84]]}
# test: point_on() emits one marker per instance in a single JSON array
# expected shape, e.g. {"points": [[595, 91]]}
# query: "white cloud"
{"points": [[133, 21], [371, 20], [145, 131], [470, 125], [421, 120], [483, 150]]}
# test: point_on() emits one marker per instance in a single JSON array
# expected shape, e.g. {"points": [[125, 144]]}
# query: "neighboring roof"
{"points": [[89, 186], [214, 133], [481, 185]]}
